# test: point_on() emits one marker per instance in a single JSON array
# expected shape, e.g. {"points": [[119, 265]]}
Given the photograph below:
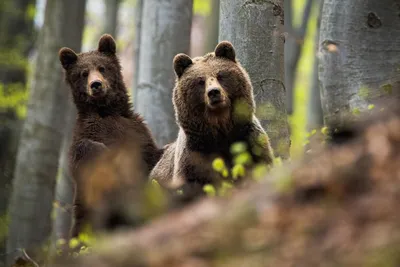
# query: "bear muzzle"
{"points": [[215, 98], [96, 84]]}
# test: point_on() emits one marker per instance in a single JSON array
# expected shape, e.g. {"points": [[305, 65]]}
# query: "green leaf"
{"points": [[209, 190], [238, 171], [218, 164], [238, 147], [243, 158]]}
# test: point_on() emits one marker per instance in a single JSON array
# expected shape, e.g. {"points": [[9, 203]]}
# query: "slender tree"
{"points": [[65, 187], [165, 32], [17, 36], [293, 43], [211, 40], [138, 28], [255, 29], [111, 16], [37, 159], [314, 115], [360, 46]]}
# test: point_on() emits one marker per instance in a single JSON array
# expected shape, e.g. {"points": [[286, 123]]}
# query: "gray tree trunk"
{"points": [[166, 27], [37, 159], [360, 45], [255, 30], [314, 111], [64, 186], [17, 36], [111, 17], [138, 29], [212, 27]]}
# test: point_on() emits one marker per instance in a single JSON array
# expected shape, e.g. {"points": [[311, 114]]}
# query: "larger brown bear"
{"points": [[214, 107], [105, 118]]}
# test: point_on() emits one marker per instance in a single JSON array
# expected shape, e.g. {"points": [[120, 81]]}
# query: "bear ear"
{"points": [[181, 63], [67, 57], [225, 49], [107, 44]]}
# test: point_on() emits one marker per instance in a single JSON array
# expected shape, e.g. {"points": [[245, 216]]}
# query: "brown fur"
{"points": [[208, 130], [105, 118]]}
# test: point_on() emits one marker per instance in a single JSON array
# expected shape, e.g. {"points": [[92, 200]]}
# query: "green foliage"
{"points": [[356, 111], [30, 12], [238, 147], [209, 190], [218, 164], [387, 88], [14, 96], [371, 106], [202, 7], [325, 130], [363, 92], [238, 171], [4, 221], [12, 58]]}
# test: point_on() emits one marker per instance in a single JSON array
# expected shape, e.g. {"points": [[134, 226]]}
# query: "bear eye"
{"points": [[201, 82], [102, 69], [221, 76], [85, 73]]}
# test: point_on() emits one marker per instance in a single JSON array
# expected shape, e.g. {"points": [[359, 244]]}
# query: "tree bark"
{"points": [[111, 16], [360, 45], [315, 118], [64, 186], [17, 37], [254, 28], [41, 137], [138, 29], [165, 32]]}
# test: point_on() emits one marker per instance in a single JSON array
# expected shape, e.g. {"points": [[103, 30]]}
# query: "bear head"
{"points": [[95, 77], [212, 92]]}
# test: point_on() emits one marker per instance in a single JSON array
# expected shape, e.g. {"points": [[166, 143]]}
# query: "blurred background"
{"points": [[275, 42]]}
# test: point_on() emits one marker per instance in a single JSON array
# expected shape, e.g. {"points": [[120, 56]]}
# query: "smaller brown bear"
{"points": [[214, 107], [105, 118]]}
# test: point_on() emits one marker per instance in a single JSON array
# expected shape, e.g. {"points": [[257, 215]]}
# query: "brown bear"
{"points": [[104, 115], [214, 108]]}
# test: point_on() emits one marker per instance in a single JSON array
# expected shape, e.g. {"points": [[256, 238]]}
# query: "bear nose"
{"points": [[214, 93], [96, 85]]}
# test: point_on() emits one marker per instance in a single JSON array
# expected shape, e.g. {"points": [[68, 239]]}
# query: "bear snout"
{"points": [[96, 85], [215, 97]]}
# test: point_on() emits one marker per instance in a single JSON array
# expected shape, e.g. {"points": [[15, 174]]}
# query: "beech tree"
{"points": [[255, 30]]}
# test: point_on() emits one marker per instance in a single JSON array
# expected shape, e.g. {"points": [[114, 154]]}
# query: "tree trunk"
{"points": [[17, 36], [138, 29], [65, 188], [254, 28], [165, 32], [360, 45], [111, 17], [212, 27], [315, 118], [37, 159]]}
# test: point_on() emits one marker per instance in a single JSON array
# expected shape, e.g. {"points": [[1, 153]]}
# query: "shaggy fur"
{"points": [[210, 121]]}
